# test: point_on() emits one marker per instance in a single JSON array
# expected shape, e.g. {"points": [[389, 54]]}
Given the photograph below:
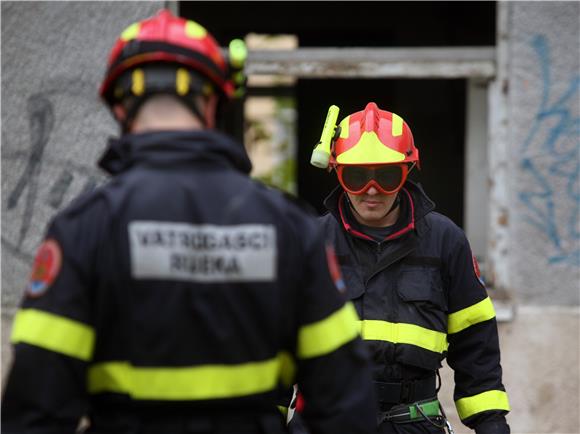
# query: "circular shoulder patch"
{"points": [[334, 269], [477, 271], [45, 268]]}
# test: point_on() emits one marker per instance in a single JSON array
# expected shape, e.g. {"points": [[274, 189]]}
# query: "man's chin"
{"points": [[374, 211], [373, 217]]}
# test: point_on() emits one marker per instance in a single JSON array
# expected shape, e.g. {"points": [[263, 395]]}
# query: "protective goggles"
{"points": [[387, 179]]}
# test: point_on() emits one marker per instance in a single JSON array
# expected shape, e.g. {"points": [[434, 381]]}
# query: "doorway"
{"points": [[434, 108]]}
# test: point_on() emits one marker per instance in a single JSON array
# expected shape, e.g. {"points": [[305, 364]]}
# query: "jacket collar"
{"points": [[419, 205], [173, 146]]}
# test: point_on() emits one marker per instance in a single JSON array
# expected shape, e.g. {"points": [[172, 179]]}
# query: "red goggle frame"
{"points": [[386, 178]]}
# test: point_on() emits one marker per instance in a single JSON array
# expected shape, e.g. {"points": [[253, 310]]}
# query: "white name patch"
{"points": [[202, 253]]}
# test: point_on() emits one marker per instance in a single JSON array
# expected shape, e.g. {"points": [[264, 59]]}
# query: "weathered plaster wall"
{"points": [[544, 140], [540, 361], [535, 191], [53, 125]]}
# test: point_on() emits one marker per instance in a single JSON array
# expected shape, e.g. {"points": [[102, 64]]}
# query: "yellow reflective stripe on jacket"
{"points": [[185, 383], [54, 333], [490, 400], [287, 368], [328, 334], [471, 315], [402, 333]]}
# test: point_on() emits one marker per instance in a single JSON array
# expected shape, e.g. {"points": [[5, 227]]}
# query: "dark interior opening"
{"points": [[434, 109], [351, 23]]}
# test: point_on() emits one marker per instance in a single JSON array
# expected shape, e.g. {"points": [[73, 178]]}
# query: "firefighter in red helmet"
{"points": [[170, 55], [412, 277], [182, 297]]}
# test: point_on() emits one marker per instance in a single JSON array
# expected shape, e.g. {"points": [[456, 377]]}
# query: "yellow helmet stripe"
{"points": [[194, 30], [182, 81], [345, 128], [131, 32], [138, 82], [397, 125], [370, 150]]}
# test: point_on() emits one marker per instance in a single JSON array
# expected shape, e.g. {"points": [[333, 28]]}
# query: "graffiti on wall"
{"points": [[550, 159], [27, 191]]}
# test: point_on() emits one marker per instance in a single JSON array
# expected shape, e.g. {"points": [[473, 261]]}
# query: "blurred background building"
{"points": [[490, 90]]}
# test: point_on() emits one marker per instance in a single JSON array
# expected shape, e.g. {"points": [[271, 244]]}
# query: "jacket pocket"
{"points": [[423, 305], [423, 286], [423, 301]]}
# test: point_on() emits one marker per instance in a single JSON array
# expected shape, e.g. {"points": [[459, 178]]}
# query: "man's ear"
{"points": [[210, 111], [120, 113]]}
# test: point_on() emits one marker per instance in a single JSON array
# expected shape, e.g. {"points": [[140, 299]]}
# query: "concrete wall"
{"points": [[535, 226], [540, 360], [53, 125], [544, 103]]}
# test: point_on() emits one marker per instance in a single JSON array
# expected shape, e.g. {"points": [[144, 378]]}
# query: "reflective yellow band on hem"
{"points": [[328, 334], [54, 333], [202, 382], [490, 400], [474, 314], [402, 333]]}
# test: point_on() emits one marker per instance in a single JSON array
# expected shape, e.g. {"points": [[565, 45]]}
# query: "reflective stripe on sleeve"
{"points": [[490, 400], [471, 315], [402, 333], [202, 382], [54, 333], [328, 334]]}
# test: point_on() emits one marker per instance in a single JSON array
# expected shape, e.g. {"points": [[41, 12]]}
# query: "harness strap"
{"points": [[414, 412]]}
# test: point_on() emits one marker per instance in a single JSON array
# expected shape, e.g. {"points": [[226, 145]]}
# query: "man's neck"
{"points": [[164, 113], [174, 124]]}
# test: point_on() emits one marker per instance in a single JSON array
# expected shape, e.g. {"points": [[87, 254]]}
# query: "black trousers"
{"points": [[420, 427], [259, 424]]}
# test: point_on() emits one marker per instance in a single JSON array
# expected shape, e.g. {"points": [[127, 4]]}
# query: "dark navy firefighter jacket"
{"points": [[420, 299], [181, 297]]}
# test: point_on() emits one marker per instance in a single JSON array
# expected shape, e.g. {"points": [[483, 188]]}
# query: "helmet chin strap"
{"points": [[393, 207]]}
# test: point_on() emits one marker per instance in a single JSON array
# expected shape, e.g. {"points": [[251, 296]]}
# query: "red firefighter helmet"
{"points": [[374, 136], [165, 39]]}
